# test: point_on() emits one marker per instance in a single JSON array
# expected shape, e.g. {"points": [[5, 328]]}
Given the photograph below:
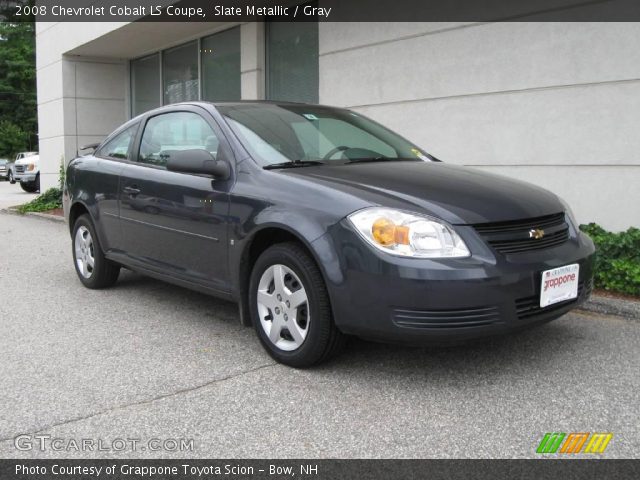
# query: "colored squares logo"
{"points": [[574, 442]]}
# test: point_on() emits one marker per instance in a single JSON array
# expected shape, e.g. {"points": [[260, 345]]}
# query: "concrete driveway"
{"points": [[12, 195], [145, 360]]}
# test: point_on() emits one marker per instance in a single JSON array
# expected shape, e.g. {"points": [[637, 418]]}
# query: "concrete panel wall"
{"points": [[252, 76], [77, 100], [557, 104]]}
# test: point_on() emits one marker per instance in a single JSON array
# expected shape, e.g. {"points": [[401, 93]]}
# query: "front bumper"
{"points": [[437, 301], [25, 177]]}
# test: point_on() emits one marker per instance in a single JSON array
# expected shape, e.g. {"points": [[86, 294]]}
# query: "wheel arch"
{"points": [[259, 241]]}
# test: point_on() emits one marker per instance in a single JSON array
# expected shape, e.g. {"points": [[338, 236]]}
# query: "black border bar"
{"points": [[320, 469], [330, 10]]}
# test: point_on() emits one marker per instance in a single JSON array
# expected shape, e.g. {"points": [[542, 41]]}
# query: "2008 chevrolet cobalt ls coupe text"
{"points": [[320, 223]]}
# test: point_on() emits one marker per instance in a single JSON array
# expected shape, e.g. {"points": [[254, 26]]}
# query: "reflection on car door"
{"points": [[175, 222]]}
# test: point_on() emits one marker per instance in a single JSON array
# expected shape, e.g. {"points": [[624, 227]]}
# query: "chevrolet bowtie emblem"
{"points": [[536, 233]]}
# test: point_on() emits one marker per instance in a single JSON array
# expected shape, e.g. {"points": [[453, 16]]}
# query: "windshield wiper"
{"points": [[292, 164]]}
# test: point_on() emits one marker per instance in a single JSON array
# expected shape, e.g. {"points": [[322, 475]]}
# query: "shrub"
{"points": [[617, 259], [49, 200]]}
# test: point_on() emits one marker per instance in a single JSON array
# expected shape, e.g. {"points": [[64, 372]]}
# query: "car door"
{"points": [[176, 223], [112, 157]]}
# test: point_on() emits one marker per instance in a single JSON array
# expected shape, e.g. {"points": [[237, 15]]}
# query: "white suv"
{"points": [[26, 170]]}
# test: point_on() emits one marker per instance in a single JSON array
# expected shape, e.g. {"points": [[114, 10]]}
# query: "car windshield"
{"points": [[280, 134]]}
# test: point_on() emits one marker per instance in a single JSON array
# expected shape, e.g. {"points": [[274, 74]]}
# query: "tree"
{"points": [[18, 110], [12, 139]]}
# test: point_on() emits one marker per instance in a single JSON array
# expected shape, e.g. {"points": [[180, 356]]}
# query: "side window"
{"points": [[175, 131], [118, 146]]}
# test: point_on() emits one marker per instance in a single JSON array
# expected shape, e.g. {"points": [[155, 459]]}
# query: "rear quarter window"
{"points": [[118, 147]]}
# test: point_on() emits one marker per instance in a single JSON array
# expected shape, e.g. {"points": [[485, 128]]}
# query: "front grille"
{"points": [[515, 236], [20, 168], [437, 319], [530, 306]]}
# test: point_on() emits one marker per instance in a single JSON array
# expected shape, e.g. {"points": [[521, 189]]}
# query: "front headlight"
{"points": [[31, 167], [407, 234]]}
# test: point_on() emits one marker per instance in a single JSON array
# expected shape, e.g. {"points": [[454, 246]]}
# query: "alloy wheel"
{"points": [[85, 260], [283, 307]]}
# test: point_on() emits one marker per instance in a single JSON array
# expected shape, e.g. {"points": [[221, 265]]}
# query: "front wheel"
{"points": [[10, 178], [31, 187], [93, 268], [290, 307]]}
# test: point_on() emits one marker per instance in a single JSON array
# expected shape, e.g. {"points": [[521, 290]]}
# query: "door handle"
{"points": [[131, 191]]}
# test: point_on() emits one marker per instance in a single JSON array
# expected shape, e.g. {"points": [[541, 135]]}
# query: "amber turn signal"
{"points": [[387, 233]]}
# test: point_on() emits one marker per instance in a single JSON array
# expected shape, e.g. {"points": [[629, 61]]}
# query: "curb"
{"points": [[618, 307], [51, 218], [45, 216]]}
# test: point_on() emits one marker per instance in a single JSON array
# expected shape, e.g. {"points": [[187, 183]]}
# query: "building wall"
{"points": [[80, 99], [556, 104]]}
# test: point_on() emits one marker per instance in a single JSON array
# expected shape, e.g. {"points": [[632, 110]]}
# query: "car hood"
{"points": [[27, 160], [458, 195]]}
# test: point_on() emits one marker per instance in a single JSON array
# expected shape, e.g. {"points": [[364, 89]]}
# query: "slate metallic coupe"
{"points": [[321, 223]]}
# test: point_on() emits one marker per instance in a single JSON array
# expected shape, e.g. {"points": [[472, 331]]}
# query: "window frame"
{"points": [[225, 152]]}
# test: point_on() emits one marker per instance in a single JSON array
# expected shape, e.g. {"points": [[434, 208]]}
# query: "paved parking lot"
{"points": [[12, 195], [146, 360]]}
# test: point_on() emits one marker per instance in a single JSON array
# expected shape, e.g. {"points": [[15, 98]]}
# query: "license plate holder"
{"points": [[559, 285]]}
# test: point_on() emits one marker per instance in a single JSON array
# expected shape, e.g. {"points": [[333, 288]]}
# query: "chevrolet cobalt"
{"points": [[321, 223]]}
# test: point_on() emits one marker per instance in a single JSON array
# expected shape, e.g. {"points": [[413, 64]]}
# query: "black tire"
{"points": [[37, 182], [10, 178], [29, 187], [323, 339], [105, 272]]}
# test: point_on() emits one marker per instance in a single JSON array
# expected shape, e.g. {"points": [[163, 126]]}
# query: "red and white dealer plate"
{"points": [[559, 285]]}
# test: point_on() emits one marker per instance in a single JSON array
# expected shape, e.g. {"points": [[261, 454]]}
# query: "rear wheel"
{"points": [[10, 178], [290, 307], [93, 268]]}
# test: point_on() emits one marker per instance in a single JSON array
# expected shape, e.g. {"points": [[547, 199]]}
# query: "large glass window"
{"points": [[175, 131], [292, 61], [180, 73], [220, 55], [145, 84]]}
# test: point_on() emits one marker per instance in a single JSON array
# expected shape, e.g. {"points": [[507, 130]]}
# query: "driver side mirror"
{"points": [[196, 161]]}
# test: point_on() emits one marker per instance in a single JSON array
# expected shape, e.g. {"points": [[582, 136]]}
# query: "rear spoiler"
{"points": [[91, 146]]}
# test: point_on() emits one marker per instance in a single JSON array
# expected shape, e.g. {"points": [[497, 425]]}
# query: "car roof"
{"points": [[203, 103], [249, 102]]}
